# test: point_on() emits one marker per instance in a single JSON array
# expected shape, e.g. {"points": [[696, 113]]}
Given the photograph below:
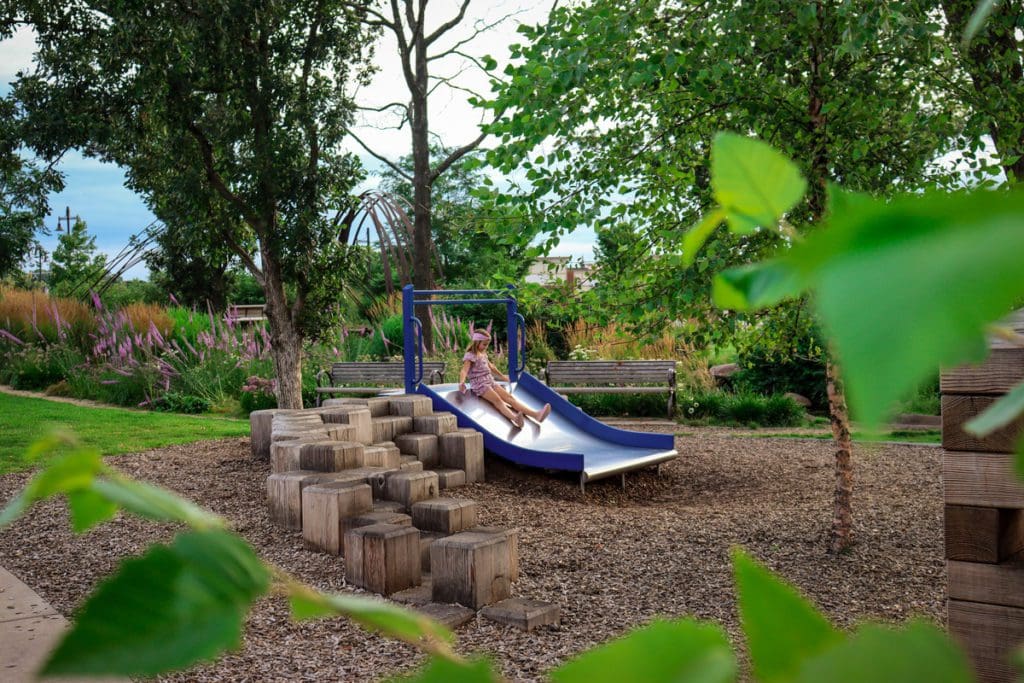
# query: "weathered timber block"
{"points": [[384, 558], [377, 405], [450, 478], [444, 515], [260, 424], [435, 423], [989, 635], [423, 446], [512, 536], [375, 517], [471, 569], [411, 487], [417, 595], [1003, 370], [388, 506], [331, 456], [375, 477], [284, 496], [426, 539], [324, 509], [382, 456], [981, 479], [411, 464], [463, 450], [284, 455], [386, 428], [452, 616], [978, 534], [410, 405], [993, 584], [523, 613], [320, 434], [958, 410], [356, 416], [338, 432]]}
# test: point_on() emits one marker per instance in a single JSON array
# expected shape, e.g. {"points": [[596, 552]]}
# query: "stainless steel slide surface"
{"points": [[567, 440]]}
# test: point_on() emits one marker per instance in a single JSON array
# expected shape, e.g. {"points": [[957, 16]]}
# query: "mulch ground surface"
{"points": [[611, 559]]}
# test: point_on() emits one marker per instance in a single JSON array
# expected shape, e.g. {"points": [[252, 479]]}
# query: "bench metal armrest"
{"points": [[321, 375]]}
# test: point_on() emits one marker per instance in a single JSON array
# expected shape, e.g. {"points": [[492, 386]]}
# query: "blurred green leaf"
{"points": [[1018, 459], [699, 234], [782, 628], [71, 471], [683, 650], [977, 20], [172, 607], [917, 651], [376, 615], [88, 509], [156, 503], [931, 271], [441, 670], [753, 183], [999, 414], [757, 285]]}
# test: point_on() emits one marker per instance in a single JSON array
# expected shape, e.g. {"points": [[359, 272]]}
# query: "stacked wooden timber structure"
{"points": [[984, 513], [369, 479]]}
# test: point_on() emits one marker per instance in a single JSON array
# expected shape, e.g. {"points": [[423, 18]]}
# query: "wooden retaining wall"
{"points": [[984, 513]]}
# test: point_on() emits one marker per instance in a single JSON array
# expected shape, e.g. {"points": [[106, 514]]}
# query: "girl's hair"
{"points": [[474, 345]]}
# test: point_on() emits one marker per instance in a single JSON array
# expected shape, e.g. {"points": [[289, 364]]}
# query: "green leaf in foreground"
{"points": [[678, 651], [757, 285], [917, 651], [999, 414], [1018, 459], [154, 502], [695, 238], [753, 183], [88, 509], [783, 629], [73, 471], [441, 670], [905, 287], [376, 615], [174, 606]]}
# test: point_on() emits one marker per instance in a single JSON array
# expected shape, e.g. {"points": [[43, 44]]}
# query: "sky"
{"points": [[95, 191]]}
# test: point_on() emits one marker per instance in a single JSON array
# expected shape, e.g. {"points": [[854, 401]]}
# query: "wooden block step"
{"points": [[339, 432], [980, 534], [1002, 370], [444, 515], [452, 616], [260, 424], [411, 464], [417, 595], [354, 416], [423, 446], [386, 428], [989, 635], [511, 534], [284, 455], [999, 584], [383, 558], [326, 506], [382, 456], [958, 410], [523, 613], [388, 506], [292, 433], [450, 479], [463, 450], [375, 477], [331, 456], [436, 423], [981, 479], [409, 488], [376, 517], [377, 405], [471, 568], [284, 495], [410, 405]]}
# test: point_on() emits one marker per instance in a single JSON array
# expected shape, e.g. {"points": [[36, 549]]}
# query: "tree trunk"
{"points": [[842, 516], [285, 340], [422, 268]]}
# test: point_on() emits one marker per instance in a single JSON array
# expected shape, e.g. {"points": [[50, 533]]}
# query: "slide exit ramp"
{"points": [[568, 440]]}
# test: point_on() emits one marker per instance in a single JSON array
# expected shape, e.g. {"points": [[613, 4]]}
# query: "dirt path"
{"points": [[612, 560]]}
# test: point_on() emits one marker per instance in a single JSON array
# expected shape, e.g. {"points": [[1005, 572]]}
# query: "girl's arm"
{"points": [[497, 372], [462, 374]]}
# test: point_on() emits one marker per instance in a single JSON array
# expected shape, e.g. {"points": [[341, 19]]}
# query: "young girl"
{"points": [[479, 369]]}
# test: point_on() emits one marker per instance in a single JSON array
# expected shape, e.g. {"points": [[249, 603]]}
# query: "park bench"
{"points": [[386, 373], [598, 376]]}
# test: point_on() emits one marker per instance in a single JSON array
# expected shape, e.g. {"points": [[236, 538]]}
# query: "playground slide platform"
{"points": [[568, 440]]}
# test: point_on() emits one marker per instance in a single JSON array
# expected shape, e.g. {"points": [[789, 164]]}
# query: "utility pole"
{"points": [[67, 219]]}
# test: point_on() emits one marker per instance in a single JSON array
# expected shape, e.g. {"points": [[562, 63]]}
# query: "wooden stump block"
{"points": [[382, 456], [375, 517], [463, 450], [512, 536], [411, 487], [449, 478], [260, 422], [436, 423], [427, 538], [982, 480], [377, 405], [386, 428], [383, 558], [284, 496], [989, 634], [417, 595], [444, 515], [410, 405], [355, 416], [338, 432], [284, 455], [388, 506], [331, 456], [957, 411], [411, 464], [291, 434], [523, 613], [452, 616], [423, 446], [977, 534], [471, 568], [325, 508]]}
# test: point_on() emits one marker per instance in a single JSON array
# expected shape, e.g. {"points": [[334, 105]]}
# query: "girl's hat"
{"points": [[480, 336]]}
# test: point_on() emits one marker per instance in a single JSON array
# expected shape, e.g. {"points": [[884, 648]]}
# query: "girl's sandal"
{"points": [[544, 412]]}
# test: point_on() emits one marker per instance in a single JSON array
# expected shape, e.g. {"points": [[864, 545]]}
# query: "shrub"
{"points": [[717, 407], [782, 411], [257, 394], [30, 367], [747, 409], [173, 402], [621, 405], [761, 374]]}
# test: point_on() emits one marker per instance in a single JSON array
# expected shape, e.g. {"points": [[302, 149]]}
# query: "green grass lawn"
{"points": [[111, 430]]}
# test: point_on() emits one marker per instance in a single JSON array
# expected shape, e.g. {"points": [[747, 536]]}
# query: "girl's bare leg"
{"points": [[512, 401], [498, 402]]}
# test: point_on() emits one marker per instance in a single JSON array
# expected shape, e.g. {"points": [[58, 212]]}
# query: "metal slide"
{"points": [[569, 439]]}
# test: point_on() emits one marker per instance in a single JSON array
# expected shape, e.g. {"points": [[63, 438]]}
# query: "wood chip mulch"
{"points": [[611, 559]]}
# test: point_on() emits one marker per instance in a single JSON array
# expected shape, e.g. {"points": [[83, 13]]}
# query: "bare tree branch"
{"points": [[385, 107], [394, 167], [404, 50], [448, 25], [479, 28], [455, 156]]}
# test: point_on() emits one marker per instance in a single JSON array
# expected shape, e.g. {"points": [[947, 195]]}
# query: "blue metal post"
{"points": [[512, 308], [408, 339]]}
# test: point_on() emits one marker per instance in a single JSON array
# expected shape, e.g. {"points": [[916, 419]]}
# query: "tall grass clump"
{"points": [[34, 317]]}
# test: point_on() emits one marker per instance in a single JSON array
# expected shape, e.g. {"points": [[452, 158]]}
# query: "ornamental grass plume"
{"points": [[36, 317]]}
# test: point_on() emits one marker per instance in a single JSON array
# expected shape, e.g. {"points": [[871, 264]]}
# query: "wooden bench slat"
{"points": [[614, 377]]}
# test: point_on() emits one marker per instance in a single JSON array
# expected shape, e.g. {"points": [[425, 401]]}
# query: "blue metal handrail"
{"points": [[418, 325], [442, 292], [521, 330]]}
